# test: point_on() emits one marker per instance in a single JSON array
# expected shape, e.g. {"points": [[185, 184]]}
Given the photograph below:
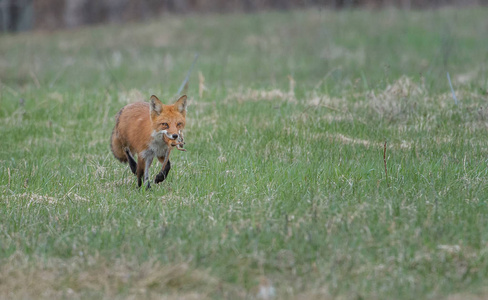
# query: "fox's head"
{"points": [[168, 120]]}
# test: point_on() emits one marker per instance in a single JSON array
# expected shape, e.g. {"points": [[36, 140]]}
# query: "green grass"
{"points": [[283, 184]]}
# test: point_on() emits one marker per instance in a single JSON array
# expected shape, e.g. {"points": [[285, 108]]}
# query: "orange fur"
{"points": [[150, 131]]}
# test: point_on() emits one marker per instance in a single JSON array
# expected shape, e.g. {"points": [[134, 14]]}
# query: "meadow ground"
{"points": [[284, 180]]}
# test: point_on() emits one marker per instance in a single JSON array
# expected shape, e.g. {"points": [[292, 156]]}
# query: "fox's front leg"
{"points": [[143, 170], [164, 171], [140, 170]]}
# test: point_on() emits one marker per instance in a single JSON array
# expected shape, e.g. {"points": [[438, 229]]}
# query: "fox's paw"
{"points": [[159, 178]]}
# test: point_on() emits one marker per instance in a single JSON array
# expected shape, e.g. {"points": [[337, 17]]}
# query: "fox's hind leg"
{"points": [[164, 171], [132, 162]]}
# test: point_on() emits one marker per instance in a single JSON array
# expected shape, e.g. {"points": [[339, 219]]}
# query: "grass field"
{"points": [[283, 183]]}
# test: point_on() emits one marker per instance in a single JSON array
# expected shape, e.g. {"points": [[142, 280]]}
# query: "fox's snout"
{"points": [[170, 136]]}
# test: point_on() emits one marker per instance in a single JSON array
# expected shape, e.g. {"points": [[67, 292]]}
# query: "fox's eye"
{"points": [[179, 124], [165, 125]]}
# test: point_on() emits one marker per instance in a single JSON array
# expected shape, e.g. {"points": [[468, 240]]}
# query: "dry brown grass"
{"points": [[341, 138], [481, 296], [396, 99], [84, 277], [247, 94], [243, 95], [81, 277], [42, 199]]}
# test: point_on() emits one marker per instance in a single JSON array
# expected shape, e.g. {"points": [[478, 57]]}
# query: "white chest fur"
{"points": [[157, 146]]}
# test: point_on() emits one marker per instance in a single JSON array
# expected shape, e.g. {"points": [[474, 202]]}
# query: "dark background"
{"points": [[20, 15]]}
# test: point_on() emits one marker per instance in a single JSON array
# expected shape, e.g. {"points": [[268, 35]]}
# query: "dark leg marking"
{"points": [[140, 171], [139, 178], [132, 162], [163, 174]]}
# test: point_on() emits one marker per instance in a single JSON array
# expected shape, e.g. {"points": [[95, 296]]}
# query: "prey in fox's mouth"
{"points": [[174, 140]]}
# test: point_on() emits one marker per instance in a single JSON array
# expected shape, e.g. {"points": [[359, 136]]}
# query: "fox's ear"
{"points": [[181, 104], [156, 105]]}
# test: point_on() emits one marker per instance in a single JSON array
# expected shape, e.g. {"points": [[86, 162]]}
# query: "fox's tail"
{"points": [[115, 142]]}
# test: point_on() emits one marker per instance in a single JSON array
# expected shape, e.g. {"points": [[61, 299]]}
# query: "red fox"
{"points": [[149, 130]]}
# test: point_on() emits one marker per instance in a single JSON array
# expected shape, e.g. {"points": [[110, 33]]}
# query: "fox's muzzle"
{"points": [[169, 136]]}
